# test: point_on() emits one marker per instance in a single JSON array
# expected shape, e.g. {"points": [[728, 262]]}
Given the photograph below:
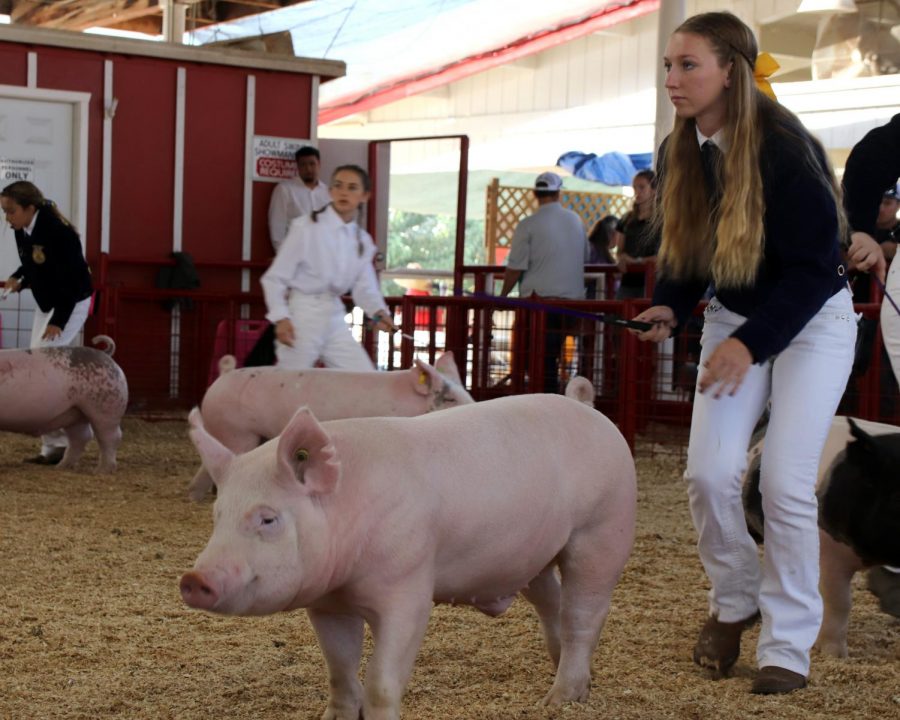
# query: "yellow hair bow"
{"points": [[764, 67]]}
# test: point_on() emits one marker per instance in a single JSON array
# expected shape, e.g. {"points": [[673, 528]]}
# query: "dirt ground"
{"points": [[92, 624]]}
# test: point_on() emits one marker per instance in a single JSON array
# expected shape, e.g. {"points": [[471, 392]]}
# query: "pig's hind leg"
{"points": [[589, 567], [341, 640], [109, 435], [78, 434], [544, 593]]}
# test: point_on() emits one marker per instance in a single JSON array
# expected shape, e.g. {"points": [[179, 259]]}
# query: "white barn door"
{"points": [[43, 139]]}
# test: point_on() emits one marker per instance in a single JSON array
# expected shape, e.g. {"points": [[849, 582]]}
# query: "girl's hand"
{"points": [[866, 255], [726, 368], [663, 319], [284, 332], [12, 285], [52, 332]]}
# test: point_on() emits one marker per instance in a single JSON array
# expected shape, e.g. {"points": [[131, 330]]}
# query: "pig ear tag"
{"points": [[423, 377], [301, 454]]}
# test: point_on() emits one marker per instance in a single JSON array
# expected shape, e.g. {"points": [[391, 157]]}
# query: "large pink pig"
{"points": [[242, 408], [374, 519], [77, 389], [859, 503]]}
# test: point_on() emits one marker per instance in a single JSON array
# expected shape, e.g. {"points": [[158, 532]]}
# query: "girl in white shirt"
{"points": [[324, 255]]}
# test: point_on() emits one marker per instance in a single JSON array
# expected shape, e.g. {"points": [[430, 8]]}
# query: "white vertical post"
{"points": [[249, 130], [671, 14], [174, 14], [109, 111], [31, 77], [314, 110], [177, 215]]}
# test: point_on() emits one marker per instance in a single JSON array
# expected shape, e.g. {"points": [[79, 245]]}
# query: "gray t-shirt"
{"points": [[550, 247]]}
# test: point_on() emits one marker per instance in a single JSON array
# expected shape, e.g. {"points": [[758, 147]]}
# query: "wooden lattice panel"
{"points": [[507, 206]]}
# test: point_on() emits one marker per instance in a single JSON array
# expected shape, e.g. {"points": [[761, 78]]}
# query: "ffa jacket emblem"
{"points": [[37, 254]]}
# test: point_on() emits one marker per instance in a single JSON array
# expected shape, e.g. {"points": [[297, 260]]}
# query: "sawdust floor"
{"points": [[92, 624]]}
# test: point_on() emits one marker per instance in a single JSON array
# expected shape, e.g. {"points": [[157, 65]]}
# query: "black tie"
{"points": [[712, 160]]}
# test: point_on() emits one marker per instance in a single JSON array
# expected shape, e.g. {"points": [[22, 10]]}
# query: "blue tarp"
{"points": [[612, 168]]}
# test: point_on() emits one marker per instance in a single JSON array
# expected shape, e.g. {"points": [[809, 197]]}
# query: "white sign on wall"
{"points": [[273, 157], [13, 170]]}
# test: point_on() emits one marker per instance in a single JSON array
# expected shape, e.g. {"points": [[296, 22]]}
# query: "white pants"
{"points": [[804, 383], [321, 333], [890, 318], [57, 438]]}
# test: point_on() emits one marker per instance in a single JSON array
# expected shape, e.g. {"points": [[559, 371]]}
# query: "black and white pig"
{"points": [[859, 513]]}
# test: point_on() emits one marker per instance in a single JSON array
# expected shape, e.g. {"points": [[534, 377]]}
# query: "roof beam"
{"points": [[80, 15]]}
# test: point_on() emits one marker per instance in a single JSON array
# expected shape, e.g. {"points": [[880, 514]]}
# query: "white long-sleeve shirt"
{"points": [[328, 256], [291, 199]]}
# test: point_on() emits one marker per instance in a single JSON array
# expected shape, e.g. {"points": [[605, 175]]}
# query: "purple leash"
{"points": [[597, 317]]}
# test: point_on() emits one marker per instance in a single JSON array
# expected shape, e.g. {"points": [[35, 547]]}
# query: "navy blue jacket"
{"points": [[53, 266], [802, 265]]}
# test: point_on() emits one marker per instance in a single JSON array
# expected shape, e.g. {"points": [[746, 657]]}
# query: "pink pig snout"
{"points": [[201, 591]]}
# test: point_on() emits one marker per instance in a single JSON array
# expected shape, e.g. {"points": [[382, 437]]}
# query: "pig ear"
{"points": [[305, 455], [433, 380], [877, 455], [214, 455], [419, 377], [446, 365]]}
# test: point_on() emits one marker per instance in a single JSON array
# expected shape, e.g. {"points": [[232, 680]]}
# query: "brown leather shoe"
{"points": [[719, 643], [773, 680]]}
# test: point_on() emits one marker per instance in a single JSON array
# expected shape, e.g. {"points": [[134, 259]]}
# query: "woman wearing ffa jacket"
{"points": [[54, 269], [780, 329]]}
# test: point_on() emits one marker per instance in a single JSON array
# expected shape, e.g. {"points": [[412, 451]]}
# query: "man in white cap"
{"points": [[547, 255]]}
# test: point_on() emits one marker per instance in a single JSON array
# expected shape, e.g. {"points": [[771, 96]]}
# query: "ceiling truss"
{"points": [[136, 15]]}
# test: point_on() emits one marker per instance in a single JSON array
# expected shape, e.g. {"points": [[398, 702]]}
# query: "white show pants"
{"points": [[805, 383], [320, 333], [57, 438], [890, 318]]}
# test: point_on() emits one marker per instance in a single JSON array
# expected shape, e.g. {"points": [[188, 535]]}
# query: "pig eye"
{"points": [[301, 455], [269, 520]]}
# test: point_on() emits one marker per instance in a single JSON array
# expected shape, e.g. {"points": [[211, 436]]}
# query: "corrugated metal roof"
{"points": [[386, 40]]}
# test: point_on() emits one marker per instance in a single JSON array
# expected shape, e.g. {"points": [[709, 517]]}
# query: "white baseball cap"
{"points": [[548, 181]]}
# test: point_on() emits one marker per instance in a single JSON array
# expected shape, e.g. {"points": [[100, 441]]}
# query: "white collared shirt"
{"points": [[319, 258], [717, 139]]}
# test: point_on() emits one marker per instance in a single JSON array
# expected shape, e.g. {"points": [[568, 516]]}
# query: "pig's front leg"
{"points": [[398, 626], [543, 592], [341, 640], [838, 563]]}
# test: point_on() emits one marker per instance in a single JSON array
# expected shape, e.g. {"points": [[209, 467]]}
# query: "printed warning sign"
{"points": [[273, 157]]}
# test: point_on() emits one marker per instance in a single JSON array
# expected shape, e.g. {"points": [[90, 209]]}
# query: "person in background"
{"points": [[637, 238], [547, 254], [749, 203], [874, 163], [601, 241], [298, 196], [325, 255], [54, 269]]}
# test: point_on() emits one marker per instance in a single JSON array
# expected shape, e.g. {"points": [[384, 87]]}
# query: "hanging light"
{"points": [[824, 7]]}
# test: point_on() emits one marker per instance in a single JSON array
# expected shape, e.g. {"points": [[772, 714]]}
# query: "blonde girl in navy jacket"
{"points": [[757, 218]]}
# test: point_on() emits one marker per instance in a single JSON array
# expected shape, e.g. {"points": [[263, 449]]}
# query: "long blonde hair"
{"points": [[724, 241]]}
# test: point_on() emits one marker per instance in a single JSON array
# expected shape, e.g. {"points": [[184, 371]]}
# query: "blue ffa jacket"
{"points": [[53, 266], [802, 264]]}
